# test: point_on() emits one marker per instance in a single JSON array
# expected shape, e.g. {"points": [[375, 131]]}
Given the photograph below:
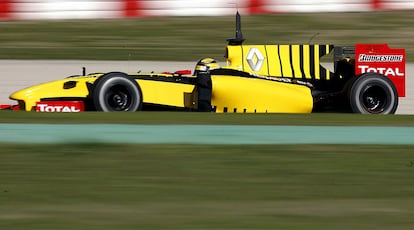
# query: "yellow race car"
{"points": [[273, 78]]}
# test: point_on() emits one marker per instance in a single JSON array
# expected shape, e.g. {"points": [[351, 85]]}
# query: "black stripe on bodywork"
{"points": [[172, 79], [301, 61], [312, 60], [291, 60], [280, 60]]}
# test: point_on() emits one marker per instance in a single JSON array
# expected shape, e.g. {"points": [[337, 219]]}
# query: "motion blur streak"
{"points": [[80, 9], [203, 134]]}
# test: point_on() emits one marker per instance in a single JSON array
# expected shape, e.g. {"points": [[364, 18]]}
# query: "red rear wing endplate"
{"points": [[381, 59]]}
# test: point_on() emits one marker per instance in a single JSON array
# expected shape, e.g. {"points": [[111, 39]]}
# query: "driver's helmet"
{"points": [[206, 64]]}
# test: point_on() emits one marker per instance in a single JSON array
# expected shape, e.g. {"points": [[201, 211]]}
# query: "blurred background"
{"points": [[159, 30], [69, 9], [110, 186]]}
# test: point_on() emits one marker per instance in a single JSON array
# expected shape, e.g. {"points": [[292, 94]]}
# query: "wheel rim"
{"points": [[118, 98], [374, 99]]}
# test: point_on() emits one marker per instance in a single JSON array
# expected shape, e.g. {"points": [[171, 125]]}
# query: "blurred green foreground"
{"points": [[89, 186], [292, 187]]}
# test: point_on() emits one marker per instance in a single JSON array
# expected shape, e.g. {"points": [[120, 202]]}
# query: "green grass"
{"points": [[189, 38], [89, 186], [206, 118], [293, 187]]}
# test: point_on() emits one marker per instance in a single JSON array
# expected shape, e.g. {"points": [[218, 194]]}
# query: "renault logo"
{"points": [[255, 59]]}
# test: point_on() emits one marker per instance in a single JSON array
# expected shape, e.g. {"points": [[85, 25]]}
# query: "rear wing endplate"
{"points": [[381, 59]]}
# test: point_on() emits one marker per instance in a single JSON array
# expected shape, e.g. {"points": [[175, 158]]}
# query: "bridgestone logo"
{"points": [[380, 58]]}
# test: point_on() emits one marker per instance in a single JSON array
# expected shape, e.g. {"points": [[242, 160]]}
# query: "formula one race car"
{"points": [[367, 78]]}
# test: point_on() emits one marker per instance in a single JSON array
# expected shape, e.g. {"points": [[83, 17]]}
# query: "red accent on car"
{"points": [[5, 106], [9, 107], [60, 106], [381, 59], [183, 72]]}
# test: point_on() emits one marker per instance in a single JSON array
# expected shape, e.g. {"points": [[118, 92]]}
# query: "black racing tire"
{"points": [[373, 93], [116, 91]]}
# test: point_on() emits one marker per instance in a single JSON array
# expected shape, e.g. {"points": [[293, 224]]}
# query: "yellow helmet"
{"points": [[205, 65]]}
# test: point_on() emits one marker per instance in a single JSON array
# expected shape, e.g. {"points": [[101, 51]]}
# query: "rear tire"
{"points": [[373, 93], [116, 91]]}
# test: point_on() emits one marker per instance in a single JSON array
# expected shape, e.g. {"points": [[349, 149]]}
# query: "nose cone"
{"points": [[21, 94], [30, 95], [25, 98], [65, 88]]}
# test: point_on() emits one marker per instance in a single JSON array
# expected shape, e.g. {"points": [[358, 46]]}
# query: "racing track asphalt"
{"points": [[17, 74]]}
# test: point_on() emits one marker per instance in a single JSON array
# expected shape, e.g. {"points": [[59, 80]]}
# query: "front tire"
{"points": [[373, 93], [117, 92]]}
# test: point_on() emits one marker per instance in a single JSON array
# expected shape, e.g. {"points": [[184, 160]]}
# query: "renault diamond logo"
{"points": [[255, 59]]}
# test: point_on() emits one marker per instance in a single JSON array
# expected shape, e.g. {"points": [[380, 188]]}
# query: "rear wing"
{"points": [[381, 59]]}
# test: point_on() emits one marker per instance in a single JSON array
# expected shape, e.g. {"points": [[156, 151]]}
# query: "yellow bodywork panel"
{"points": [[234, 57], [155, 92], [250, 95], [167, 93], [229, 94], [55, 89]]}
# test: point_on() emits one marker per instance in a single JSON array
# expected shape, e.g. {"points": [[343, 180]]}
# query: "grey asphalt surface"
{"points": [[18, 74]]}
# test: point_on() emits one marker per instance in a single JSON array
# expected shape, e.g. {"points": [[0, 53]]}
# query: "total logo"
{"points": [[395, 72], [60, 106]]}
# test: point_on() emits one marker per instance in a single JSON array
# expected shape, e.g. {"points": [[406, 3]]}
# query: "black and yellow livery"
{"points": [[291, 61], [273, 78]]}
